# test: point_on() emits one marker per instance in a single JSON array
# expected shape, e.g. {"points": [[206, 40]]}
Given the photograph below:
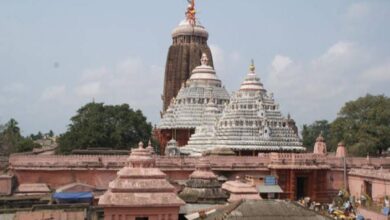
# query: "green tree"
{"points": [[37, 136], [364, 125], [10, 136], [311, 132], [98, 125], [26, 144], [12, 141], [50, 133]]}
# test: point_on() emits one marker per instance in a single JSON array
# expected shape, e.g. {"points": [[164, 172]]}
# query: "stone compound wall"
{"points": [[6, 183], [380, 186], [99, 170]]}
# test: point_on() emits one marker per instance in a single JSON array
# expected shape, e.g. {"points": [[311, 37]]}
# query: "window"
{"points": [[141, 218]]}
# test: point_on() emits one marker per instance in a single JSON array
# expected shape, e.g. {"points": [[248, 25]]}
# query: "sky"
{"points": [[56, 56]]}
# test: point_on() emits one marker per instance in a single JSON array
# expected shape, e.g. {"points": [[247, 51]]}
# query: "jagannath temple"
{"points": [[249, 124], [187, 110], [226, 157], [189, 41]]}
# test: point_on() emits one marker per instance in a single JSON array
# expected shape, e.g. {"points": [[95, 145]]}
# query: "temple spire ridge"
{"points": [[252, 67]]}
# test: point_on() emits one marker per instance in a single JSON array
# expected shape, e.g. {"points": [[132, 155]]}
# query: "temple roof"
{"points": [[188, 108], [252, 81], [239, 190], [140, 184], [203, 186], [259, 209], [251, 121], [381, 174], [320, 145], [190, 25], [185, 28]]}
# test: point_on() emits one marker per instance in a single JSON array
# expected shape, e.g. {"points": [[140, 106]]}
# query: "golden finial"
{"points": [[190, 13], [252, 66]]}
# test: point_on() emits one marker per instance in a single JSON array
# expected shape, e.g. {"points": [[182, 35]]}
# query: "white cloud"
{"points": [[128, 81], [89, 89], [94, 74], [280, 63], [53, 93], [317, 88], [358, 10], [380, 73], [15, 87]]}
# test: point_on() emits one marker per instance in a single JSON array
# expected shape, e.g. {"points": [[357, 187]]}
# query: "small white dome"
{"points": [[204, 74], [251, 81]]}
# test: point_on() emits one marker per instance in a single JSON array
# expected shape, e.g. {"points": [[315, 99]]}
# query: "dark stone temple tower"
{"points": [[189, 42]]}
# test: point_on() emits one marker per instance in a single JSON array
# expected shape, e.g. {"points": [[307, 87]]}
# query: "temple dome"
{"points": [[251, 81], [320, 145], [140, 183], [203, 186], [204, 74], [187, 110], [185, 28]]}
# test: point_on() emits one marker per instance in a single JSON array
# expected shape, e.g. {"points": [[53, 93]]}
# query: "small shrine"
{"points": [[203, 186], [239, 190], [140, 191], [320, 146], [341, 151]]}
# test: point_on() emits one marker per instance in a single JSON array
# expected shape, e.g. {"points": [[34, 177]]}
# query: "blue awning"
{"points": [[72, 197]]}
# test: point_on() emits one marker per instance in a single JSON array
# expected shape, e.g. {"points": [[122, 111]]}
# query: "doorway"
{"points": [[368, 188], [301, 187]]}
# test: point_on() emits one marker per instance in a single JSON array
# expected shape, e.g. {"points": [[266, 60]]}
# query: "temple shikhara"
{"points": [[249, 124], [189, 41], [186, 111], [221, 155]]}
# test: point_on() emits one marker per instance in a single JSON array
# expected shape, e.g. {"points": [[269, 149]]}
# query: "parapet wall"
{"points": [[66, 161], [18, 161], [99, 170], [262, 161]]}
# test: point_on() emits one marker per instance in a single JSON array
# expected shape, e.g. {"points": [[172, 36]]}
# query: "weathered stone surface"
{"points": [[239, 190], [6, 184], [259, 209], [183, 56], [203, 186], [32, 189]]}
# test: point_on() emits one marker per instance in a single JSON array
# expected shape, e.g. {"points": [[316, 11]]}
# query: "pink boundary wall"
{"points": [[99, 170], [379, 180]]}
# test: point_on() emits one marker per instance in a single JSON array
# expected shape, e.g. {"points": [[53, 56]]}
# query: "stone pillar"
{"points": [[314, 182], [292, 185]]}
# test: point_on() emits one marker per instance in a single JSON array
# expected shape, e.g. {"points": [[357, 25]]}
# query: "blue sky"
{"points": [[314, 56]]}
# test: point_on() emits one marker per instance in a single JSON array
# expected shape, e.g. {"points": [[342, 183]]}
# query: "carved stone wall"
{"points": [[182, 58]]}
